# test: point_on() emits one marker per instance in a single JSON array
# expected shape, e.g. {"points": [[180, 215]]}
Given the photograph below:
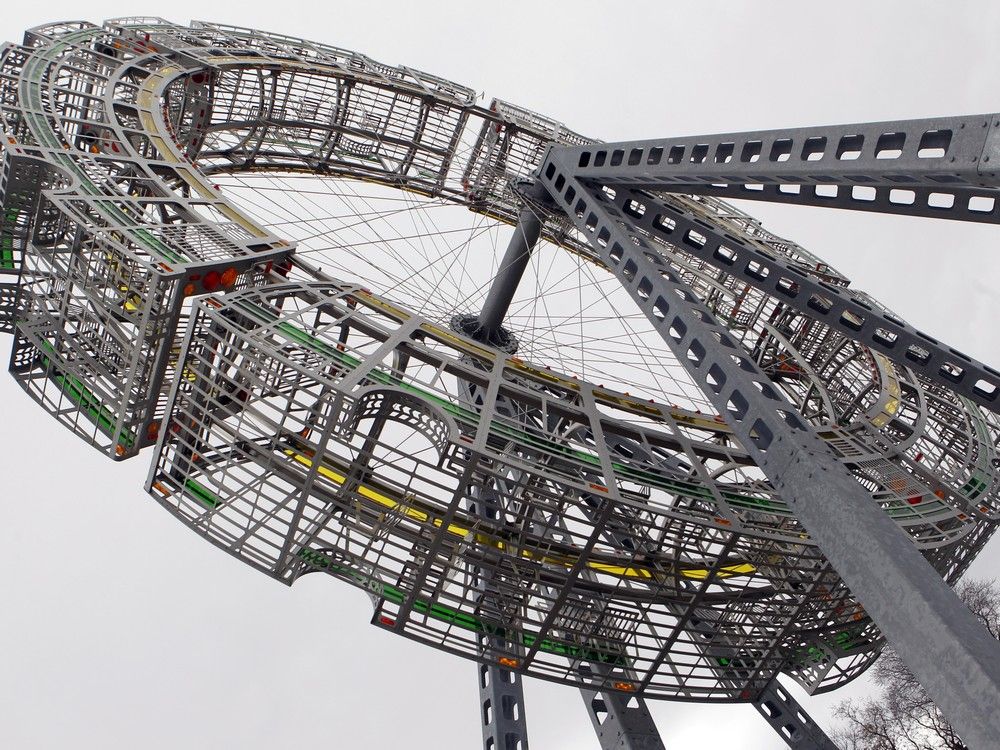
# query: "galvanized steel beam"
{"points": [[949, 651]]}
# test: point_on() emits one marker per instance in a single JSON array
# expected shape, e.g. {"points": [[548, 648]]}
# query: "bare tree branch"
{"points": [[901, 716]]}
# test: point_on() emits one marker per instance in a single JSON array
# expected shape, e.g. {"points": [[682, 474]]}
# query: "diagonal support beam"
{"points": [[951, 654], [836, 307], [943, 167], [790, 720]]}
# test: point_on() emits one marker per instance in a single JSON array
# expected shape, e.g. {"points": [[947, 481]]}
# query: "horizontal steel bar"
{"points": [[979, 205], [945, 150], [940, 167]]}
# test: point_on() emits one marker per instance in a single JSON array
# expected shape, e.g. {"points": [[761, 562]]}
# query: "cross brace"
{"points": [[789, 720]]}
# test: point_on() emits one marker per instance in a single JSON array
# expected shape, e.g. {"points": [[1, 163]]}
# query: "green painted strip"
{"points": [[83, 397], [43, 129], [7, 239], [455, 617], [680, 487], [202, 494]]}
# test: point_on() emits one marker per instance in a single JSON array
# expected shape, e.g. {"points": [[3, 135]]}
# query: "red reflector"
{"points": [[212, 280], [387, 621]]}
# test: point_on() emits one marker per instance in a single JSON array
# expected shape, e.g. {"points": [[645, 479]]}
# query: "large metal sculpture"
{"points": [[799, 472]]}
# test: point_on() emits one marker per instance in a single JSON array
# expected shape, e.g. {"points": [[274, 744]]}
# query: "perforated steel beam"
{"points": [[617, 715], [501, 692], [834, 306], [941, 167], [622, 722], [952, 655], [790, 720]]}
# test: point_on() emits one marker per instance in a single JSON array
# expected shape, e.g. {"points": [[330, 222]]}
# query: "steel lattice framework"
{"points": [[692, 542]]}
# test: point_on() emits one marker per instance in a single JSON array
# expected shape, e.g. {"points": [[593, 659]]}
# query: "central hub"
{"points": [[498, 337]]}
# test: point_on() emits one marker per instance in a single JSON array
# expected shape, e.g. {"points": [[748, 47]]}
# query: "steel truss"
{"points": [[677, 544]]}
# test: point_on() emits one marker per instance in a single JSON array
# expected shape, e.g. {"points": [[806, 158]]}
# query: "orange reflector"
{"points": [[939, 493], [153, 430], [506, 661], [723, 521], [188, 289], [119, 450], [626, 686], [228, 277], [599, 487]]}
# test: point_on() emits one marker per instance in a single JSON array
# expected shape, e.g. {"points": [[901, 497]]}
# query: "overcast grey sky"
{"points": [[123, 629]]}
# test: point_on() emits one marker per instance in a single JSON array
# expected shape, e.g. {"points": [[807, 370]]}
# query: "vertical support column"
{"points": [[621, 721], [501, 700], [488, 325], [501, 695]]}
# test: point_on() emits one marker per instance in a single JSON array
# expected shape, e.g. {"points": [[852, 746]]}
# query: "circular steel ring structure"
{"points": [[552, 504]]}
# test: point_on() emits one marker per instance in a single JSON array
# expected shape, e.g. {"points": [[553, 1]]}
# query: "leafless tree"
{"points": [[901, 716]]}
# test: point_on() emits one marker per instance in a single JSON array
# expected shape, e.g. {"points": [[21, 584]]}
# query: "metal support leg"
{"points": [[501, 695], [943, 167], [622, 722], [790, 720], [952, 655], [839, 308], [501, 700]]}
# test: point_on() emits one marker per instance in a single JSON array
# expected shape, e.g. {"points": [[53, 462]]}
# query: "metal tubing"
{"points": [[515, 260]]}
